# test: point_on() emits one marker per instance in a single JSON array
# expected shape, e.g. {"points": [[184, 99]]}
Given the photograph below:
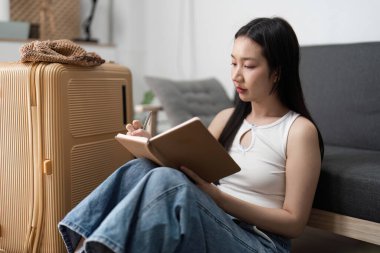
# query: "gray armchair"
{"points": [[182, 100]]}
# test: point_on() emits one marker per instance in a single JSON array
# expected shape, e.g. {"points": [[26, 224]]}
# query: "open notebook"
{"points": [[189, 144]]}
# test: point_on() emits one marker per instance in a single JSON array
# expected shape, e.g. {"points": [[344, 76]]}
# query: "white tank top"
{"points": [[261, 180]]}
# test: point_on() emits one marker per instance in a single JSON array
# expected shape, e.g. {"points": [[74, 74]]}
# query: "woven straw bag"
{"points": [[57, 19]]}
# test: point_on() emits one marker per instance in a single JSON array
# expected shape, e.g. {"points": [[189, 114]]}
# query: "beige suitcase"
{"points": [[57, 144]]}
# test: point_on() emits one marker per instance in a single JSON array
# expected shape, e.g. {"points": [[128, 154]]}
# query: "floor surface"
{"points": [[318, 241]]}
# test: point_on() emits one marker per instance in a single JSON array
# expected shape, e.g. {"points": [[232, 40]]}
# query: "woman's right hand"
{"points": [[135, 129]]}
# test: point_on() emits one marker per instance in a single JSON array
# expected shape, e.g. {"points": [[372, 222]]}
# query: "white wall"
{"points": [[101, 26], [186, 39]]}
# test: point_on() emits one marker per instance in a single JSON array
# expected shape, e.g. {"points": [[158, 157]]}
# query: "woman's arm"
{"points": [[302, 173]]}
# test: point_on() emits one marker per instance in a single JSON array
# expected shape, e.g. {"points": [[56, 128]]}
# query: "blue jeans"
{"points": [[144, 208]]}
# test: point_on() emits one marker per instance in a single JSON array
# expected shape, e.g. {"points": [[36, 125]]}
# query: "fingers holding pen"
{"points": [[137, 124], [138, 132], [135, 129], [129, 128]]}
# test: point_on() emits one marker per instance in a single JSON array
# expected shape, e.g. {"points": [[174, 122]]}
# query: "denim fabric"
{"points": [[143, 208]]}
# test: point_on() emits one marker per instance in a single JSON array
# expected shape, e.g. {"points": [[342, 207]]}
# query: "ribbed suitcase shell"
{"points": [[57, 144]]}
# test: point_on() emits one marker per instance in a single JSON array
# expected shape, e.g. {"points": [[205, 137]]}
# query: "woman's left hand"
{"points": [[208, 188]]}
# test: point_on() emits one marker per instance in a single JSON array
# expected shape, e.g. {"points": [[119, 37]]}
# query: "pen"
{"points": [[147, 119]]}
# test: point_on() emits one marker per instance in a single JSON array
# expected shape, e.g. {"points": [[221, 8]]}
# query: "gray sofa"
{"points": [[342, 88]]}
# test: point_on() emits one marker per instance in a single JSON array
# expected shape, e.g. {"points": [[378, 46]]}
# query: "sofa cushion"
{"points": [[183, 100], [341, 84], [349, 183]]}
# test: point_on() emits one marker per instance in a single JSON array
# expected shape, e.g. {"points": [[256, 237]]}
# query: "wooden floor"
{"points": [[318, 241]]}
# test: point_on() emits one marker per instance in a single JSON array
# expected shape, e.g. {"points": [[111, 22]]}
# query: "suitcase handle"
{"points": [[123, 91]]}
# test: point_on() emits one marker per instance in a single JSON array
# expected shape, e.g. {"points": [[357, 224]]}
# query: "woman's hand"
{"points": [[135, 129], [208, 188]]}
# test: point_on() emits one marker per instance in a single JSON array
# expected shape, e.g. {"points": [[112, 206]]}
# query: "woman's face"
{"points": [[250, 71]]}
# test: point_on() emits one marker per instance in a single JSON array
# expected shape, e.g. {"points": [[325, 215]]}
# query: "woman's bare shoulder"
{"points": [[217, 124], [303, 127], [303, 133]]}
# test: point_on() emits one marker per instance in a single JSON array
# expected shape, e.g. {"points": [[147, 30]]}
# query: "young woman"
{"points": [[269, 133]]}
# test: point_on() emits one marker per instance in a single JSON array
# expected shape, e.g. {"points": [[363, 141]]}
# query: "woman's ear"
{"points": [[277, 75]]}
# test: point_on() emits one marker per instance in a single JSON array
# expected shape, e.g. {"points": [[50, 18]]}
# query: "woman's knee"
{"points": [[168, 177], [140, 162], [128, 175], [140, 165]]}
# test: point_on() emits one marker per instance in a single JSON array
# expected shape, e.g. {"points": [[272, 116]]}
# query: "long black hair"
{"points": [[281, 49]]}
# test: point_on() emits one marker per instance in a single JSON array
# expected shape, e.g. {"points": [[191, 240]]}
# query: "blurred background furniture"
{"points": [[14, 30], [184, 99]]}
